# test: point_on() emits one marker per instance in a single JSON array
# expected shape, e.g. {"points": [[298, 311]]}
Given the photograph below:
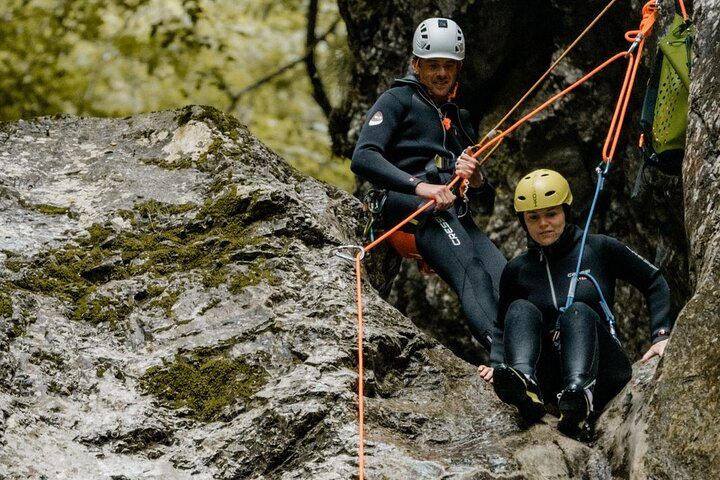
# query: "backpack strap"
{"points": [[638, 180]]}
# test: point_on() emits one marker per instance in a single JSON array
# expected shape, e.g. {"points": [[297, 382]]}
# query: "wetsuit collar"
{"points": [[411, 79]]}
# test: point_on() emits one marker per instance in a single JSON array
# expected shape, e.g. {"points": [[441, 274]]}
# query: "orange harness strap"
{"points": [[404, 244]]}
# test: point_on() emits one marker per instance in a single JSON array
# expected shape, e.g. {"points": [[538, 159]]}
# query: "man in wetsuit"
{"points": [[413, 142]]}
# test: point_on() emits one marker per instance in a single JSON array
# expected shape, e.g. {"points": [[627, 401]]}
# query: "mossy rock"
{"points": [[204, 381]]}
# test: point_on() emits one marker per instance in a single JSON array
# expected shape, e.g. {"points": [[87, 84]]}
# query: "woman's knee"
{"points": [[578, 312], [523, 312]]}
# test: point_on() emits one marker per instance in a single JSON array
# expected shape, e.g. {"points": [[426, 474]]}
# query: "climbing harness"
{"points": [[487, 146], [403, 240]]}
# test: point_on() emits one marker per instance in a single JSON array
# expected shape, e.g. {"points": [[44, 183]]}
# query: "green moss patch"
{"points": [[6, 306], [165, 240], [53, 210], [204, 381], [254, 276], [183, 163], [227, 124], [47, 209], [99, 308], [166, 300], [53, 360]]}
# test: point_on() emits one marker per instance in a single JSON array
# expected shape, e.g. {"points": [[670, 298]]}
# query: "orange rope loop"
{"points": [[649, 13]]}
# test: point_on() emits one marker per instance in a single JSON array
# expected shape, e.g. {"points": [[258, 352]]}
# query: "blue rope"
{"points": [[602, 172], [573, 282]]}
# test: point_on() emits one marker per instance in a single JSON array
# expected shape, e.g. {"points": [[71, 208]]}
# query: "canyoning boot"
{"points": [[515, 388], [575, 405]]}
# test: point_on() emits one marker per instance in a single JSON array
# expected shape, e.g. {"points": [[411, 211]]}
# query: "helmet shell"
{"points": [[439, 38], [542, 188]]}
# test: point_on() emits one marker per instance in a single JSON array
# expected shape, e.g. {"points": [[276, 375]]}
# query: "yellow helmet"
{"points": [[542, 188]]}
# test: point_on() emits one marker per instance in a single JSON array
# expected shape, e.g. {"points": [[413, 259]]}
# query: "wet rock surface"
{"points": [[178, 313]]}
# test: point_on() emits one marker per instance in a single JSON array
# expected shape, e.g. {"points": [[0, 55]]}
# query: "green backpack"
{"points": [[663, 118]]}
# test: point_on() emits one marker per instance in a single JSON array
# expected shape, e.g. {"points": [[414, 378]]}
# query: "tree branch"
{"points": [[310, 41], [309, 51]]}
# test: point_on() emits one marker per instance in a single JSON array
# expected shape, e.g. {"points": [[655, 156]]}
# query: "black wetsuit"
{"points": [[534, 286], [405, 141]]}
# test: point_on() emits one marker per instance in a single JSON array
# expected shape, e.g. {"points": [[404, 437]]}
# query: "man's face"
{"points": [[438, 75]]}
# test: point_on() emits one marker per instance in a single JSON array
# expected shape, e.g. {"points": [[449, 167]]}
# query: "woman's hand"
{"points": [[657, 349], [486, 373], [443, 196], [468, 168]]}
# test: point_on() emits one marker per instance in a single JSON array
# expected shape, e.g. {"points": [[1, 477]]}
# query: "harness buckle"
{"points": [[373, 203], [555, 335], [374, 200]]}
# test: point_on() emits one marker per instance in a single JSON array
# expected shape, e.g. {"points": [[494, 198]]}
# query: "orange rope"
{"points": [[537, 110], [649, 13], [361, 373], [682, 9], [638, 37], [554, 64]]}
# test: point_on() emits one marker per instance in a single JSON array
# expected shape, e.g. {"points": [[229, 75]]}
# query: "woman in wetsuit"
{"points": [[543, 351]]}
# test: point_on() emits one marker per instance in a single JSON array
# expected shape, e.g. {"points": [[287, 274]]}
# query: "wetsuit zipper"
{"points": [[430, 102], [440, 117], [544, 258]]}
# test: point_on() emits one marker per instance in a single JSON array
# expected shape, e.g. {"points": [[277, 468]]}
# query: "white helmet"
{"points": [[439, 38]]}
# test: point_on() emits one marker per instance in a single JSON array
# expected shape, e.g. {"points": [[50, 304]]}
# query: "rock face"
{"points": [[165, 279], [682, 434], [170, 307]]}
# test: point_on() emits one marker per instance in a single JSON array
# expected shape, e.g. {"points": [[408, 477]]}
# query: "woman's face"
{"points": [[438, 75], [545, 225]]}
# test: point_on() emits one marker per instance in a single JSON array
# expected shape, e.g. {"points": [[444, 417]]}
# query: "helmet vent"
{"points": [[542, 189], [439, 38]]}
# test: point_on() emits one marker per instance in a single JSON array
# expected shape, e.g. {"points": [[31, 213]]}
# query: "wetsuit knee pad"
{"points": [[523, 336], [580, 309], [523, 310], [579, 345], [579, 318]]}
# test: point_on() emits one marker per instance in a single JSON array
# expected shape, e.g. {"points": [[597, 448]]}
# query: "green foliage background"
{"points": [[123, 57]]}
